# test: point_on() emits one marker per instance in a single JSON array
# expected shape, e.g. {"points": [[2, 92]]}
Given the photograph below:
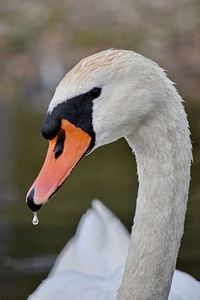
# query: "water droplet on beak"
{"points": [[35, 220]]}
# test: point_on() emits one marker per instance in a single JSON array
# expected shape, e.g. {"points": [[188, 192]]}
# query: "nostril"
{"points": [[59, 144], [58, 150], [30, 201]]}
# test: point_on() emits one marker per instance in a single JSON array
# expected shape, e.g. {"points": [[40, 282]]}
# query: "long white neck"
{"points": [[163, 153]]}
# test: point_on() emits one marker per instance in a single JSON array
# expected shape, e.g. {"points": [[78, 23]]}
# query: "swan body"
{"points": [[114, 94], [99, 247], [94, 261]]}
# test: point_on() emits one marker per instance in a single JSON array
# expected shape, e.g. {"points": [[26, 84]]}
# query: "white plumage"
{"points": [[138, 102], [91, 264]]}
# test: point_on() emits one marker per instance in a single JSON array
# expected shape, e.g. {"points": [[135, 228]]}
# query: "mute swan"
{"points": [[113, 94]]}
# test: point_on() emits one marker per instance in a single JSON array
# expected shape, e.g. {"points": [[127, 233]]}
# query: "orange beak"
{"points": [[64, 152]]}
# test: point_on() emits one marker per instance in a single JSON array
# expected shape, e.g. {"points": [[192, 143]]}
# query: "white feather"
{"points": [[91, 264]]}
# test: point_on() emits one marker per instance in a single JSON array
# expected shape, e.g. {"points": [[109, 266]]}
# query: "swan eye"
{"points": [[94, 93], [59, 144]]}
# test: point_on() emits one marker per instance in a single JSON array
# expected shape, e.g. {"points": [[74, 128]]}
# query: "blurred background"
{"points": [[40, 41]]}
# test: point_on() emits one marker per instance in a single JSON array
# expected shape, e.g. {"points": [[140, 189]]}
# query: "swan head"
{"points": [[104, 97]]}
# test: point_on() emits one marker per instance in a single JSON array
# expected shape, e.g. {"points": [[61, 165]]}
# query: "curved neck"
{"points": [[163, 155]]}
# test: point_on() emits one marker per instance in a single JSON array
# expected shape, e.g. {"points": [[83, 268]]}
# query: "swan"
{"points": [[106, 96]]}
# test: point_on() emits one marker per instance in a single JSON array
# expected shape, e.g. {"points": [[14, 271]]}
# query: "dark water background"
{"points": [[27, 251]]}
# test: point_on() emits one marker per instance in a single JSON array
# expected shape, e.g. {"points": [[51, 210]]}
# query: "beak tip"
{"points": [[30, 201]]}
